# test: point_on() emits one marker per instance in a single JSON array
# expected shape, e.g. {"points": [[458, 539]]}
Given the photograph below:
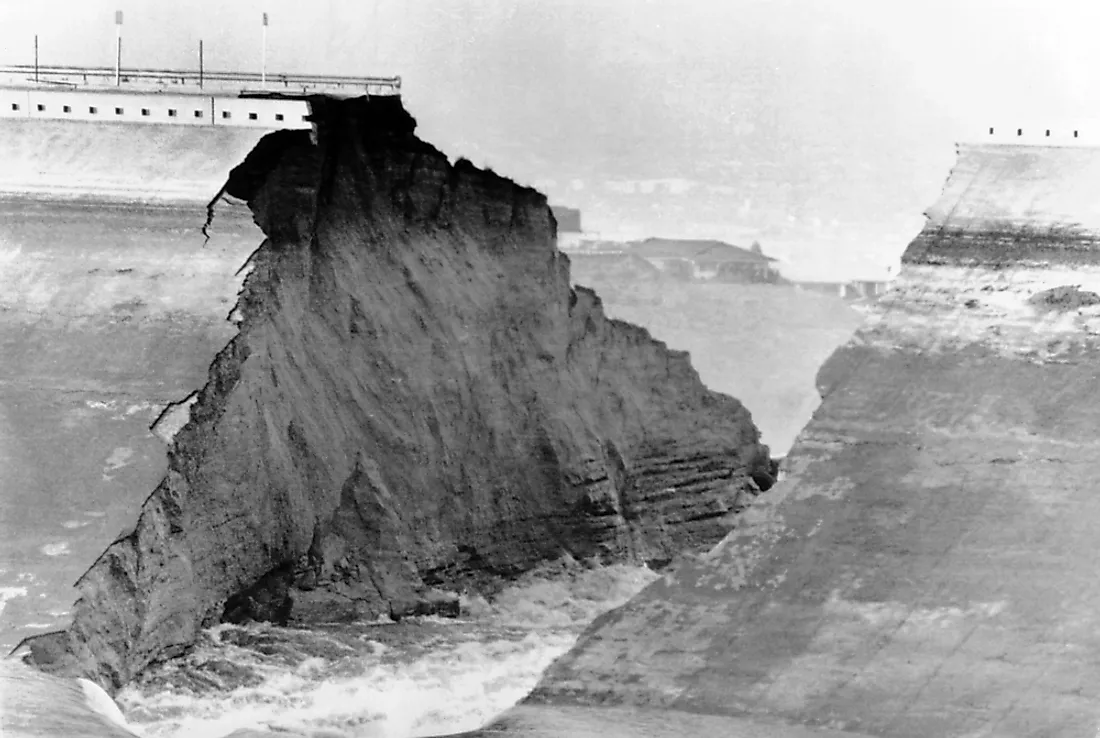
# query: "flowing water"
{"points": [[427, 676], [418, 677], [107, 315]]}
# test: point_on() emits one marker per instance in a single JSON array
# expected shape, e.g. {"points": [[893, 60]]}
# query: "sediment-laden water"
{"points": [[106, 316], [422, 676], [418, 677]]}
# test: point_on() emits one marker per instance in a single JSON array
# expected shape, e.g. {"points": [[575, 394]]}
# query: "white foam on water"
{"points": [[455, 686], [119, 458], [569, 596], [415, 678], [10, 593], [100, 404], [60, 548]]}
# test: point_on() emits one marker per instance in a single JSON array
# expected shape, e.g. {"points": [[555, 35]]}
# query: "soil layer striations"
{"points": [[416, 402], [928, 566]]}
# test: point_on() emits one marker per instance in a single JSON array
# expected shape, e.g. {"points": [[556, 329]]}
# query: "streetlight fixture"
{"points": [[118, 48], [263, 55]]}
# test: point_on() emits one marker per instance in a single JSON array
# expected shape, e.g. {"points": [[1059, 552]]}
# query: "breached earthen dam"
{"points": [[417, 400], [927, 568]]}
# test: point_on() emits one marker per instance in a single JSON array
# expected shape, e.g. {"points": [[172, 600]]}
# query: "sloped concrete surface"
{"points": [[107, 314], [64, 160], [928, 567]]}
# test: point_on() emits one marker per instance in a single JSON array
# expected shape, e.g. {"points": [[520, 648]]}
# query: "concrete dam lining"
{"points": [[927, 566], [158, 136], [1015, 204], [119, 162]]}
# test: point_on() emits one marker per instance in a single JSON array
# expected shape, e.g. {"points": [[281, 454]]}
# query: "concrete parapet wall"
{"points": [[193, 81], [156, 108]]}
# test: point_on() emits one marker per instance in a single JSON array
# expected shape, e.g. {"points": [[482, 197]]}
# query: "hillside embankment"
{"points": [[417, 401], [927, 568]]}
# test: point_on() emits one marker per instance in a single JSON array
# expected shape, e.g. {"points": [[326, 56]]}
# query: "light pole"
{"points": [[263, 55], [118, 48]]}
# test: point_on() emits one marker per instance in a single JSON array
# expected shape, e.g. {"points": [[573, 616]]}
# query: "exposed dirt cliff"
{"points": [[928, 566], [416, 401]]}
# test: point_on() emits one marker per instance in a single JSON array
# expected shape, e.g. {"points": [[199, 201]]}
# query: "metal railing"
{"points": [[104, 77]]}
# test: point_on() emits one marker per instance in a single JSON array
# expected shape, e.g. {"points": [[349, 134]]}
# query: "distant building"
{"points": [[712, 261], [569, 219]]}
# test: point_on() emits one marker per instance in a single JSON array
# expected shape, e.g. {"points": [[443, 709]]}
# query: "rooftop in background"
{"points": [[711, 251], [194, 82]]}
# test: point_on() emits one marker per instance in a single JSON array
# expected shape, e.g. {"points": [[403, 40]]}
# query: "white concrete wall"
{"points": [[152, 108], [240, 111]]}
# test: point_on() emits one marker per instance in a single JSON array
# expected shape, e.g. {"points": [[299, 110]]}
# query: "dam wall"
{"points": [[162, 108], [125, 146], [145, 136], [927, 565]]}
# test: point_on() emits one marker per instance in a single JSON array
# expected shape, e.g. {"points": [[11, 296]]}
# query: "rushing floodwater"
{"points": [[107, 315], [423, 677], [418, 677]]}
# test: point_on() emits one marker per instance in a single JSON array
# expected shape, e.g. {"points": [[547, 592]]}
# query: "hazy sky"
{"points": [[564, 92]]}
